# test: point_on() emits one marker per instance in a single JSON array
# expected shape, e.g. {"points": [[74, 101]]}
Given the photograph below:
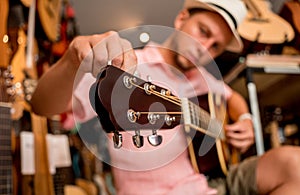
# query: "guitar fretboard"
{"points": [[6, 183], [199, 119]]}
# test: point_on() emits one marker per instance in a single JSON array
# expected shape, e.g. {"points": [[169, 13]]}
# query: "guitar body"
{"points": [[210, 164], [4, 48], [215, 157], [49, 15], [291, 12], [263, 26], [6, 150]]}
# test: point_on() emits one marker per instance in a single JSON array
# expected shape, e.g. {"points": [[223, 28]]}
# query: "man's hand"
{"points": [[240, 134], [92, 53]]}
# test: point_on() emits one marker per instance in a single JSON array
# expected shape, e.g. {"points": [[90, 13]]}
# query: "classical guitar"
{"points": [[4, 48], [263, 26], [291, 12], [49, 15], [201, 116], [7, 171], [63, 182], [6, 154]]}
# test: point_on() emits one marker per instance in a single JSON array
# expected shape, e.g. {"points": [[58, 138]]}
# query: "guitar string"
{"points": [[177, 101], [201, 116]]}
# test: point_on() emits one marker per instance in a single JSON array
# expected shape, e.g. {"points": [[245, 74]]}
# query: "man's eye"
{"points": [[215, 46], [203, 32]]}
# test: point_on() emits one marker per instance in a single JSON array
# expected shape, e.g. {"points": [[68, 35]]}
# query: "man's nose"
{"points": [[207, 44]]}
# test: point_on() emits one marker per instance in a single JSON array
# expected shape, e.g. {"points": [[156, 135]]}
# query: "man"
{"points": [[166, 169]]}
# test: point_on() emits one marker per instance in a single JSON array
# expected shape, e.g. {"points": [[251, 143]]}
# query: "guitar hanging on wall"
{"points": [[49, 15], [262, 26], [291, 12], [7, 172], [6, 156], [198, 121]]}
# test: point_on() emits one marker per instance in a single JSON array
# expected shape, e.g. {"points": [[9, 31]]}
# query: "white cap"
{"points": [[233, 11]]}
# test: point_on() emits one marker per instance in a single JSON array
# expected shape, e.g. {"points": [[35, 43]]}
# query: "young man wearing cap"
{"points": [[176, 65]]}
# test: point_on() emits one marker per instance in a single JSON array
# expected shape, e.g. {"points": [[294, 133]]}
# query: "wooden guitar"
{"points": [[6, 155], [8, 170], [49, 15], [201, 116], [4, 48], [291, 13], [263, 26]]}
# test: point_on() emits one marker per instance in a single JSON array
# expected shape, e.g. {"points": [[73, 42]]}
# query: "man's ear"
{"points": [[181, 17]]}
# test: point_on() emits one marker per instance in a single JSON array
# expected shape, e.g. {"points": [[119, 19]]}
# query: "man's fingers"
{"points": [[129, 57], [238, 135], [115, 49], [100, 57], [241, 145], [94, 52]]}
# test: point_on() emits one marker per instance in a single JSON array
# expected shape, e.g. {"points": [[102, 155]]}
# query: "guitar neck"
{"points": [[43, 183], [4, 49], [199, 119], [253, 9], [6, 174]]}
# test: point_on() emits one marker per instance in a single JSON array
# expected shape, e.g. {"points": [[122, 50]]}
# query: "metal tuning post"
{"points": [[155, 139], [169, 120], [148, 88], [152, 118], [127, 81], [118, 139], [137, 139], [132, 116], [165, 92]]}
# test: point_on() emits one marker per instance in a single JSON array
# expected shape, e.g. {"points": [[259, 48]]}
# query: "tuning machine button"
{"points": [[117, 139], [137, 139], [155, 139]]}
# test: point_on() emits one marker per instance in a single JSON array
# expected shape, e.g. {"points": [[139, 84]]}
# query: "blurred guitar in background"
{"points": [[262, 29], [291, 12]]}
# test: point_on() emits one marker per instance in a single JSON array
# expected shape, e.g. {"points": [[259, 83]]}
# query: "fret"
{"points": [[6, 170], [5, 158], [6, 186], [5, 130], [2, 177], [6, 174], [6, 189], [6, 139], [5, 153], [203, 118], [199, 119], [4, 147], [5, 105]]}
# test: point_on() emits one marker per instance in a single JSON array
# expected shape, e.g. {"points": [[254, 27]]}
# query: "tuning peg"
{"points": [[118, 140], [154, 139], [137, 139]]}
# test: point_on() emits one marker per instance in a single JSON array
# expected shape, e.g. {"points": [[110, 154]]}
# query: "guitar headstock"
{"points": [[126, 102], [29, 86], [6, 85]]}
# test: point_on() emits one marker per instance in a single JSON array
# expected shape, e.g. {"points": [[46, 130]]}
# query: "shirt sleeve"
{"points": [[81, 105]]}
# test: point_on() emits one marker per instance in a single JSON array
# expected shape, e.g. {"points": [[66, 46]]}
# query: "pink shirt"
{"points": [[164, 169]]}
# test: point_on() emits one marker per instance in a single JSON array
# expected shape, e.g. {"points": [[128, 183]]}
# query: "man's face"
{"points": [[211, 32]]}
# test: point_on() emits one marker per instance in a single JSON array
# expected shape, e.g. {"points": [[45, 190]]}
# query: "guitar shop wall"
{"points": [[48, 154], [34, 45], [271, 38]]}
